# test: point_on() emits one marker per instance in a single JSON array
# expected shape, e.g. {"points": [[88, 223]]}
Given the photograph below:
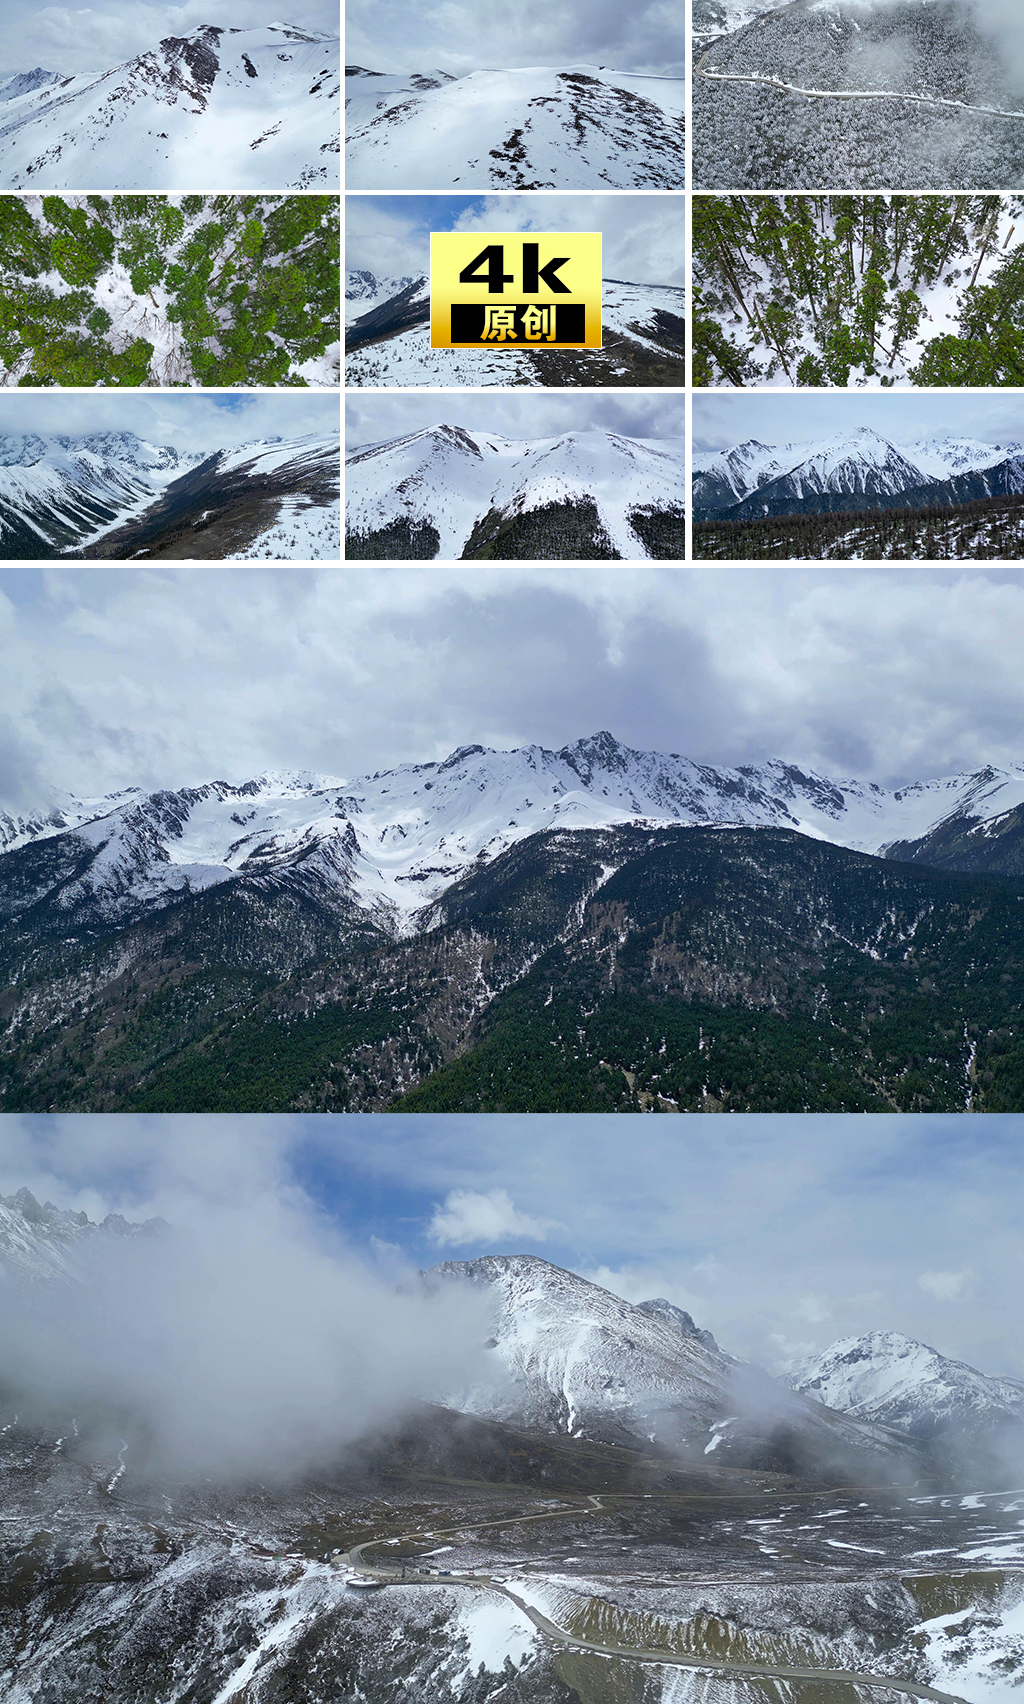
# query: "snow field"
{"points": [[404, 134]]}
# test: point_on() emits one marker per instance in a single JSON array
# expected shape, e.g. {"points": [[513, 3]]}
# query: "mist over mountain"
{"points": [[970, 1423], [265, 99], [885, 95]]}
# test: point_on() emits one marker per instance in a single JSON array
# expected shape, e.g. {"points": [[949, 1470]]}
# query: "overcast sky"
{"points": [[778, 1234], [463, 35], [372, 417], [188, 421], [70, 39], [112, 677], [901, 417], [389, 235]]}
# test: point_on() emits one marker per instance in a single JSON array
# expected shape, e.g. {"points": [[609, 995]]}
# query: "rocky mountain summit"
{"points": [[264, 99]]}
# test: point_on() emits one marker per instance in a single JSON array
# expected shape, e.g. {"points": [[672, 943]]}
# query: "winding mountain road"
{"points": [[353, 1559], [849, 94]]}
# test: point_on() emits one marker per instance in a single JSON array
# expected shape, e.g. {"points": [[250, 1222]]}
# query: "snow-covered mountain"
{"points": [[396, 840], [40, 1242], [899, 1382], [59, 491], [17, 83], [364, 291], [219, 109], [388, 341], [447, 492], [115, 494], [852, 469], [571, 1357], [568, 127]]}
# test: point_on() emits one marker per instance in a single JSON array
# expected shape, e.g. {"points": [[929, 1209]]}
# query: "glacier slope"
{"points": [[539, 127], [214, 111]]}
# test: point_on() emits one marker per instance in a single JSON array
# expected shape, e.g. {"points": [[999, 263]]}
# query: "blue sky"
{"points": [[779, 1234], [643, 235], [994, 417]]}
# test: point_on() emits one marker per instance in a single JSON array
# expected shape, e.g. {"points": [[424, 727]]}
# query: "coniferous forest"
{"points": [[992, 528], [858, 290], [169, 290]]}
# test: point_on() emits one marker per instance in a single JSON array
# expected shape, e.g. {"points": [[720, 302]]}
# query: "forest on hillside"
{"points": [[991, 528], [858, 291], [169, 290]]}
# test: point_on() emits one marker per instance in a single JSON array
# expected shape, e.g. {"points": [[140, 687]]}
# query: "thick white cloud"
{"points": [[113, 677], [249, 1339], [72, 39], [186, 421], [468, 1216], [373, 416], [643, 235], [901, 417], [461, 35]]}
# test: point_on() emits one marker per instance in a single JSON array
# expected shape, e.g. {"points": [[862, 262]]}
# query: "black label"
{"points": [[526, 323]]}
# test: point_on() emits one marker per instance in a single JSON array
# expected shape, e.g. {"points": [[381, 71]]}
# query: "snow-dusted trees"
{"points": [[857, 289], [145, 289]]}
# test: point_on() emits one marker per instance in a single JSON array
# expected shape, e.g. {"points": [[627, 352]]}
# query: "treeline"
{"points": [[251, 284], [825, 287], [986, 529]]}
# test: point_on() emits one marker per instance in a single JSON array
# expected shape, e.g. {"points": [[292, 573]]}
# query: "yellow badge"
{"points": [[515, 289]]}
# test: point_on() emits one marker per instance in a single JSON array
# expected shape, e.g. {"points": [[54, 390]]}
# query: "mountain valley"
{"points": [[451, 1554], [114, 495], [590, 929]]}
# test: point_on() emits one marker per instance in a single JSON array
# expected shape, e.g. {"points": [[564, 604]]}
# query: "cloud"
{"points": [[75, 39], [777, 1234], [944, 1286], [458, 36], [248, 1339], [470, 1217], [188, 422], [901, 417], [163, 678], [373, 417], [643, 235]]}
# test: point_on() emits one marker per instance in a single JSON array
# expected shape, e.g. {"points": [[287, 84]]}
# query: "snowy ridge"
{"points": [[399, 838], [855, 461], [261, 103], [62, 494], [448, 478], [41, 1242], [567, 127], [364, 291], [569, 1353], [400, 353], [62, 488], [894, 1380], [571, 1357]]}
